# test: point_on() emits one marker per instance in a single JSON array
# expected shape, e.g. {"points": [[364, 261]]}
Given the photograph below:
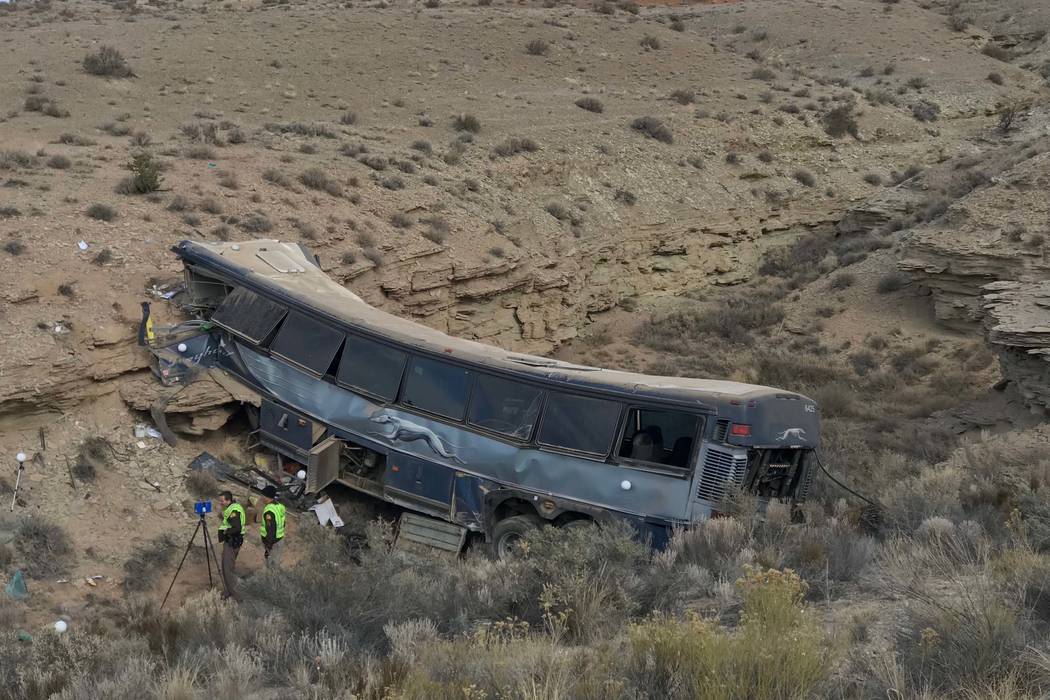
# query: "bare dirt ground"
{"points": [[439, 162]]}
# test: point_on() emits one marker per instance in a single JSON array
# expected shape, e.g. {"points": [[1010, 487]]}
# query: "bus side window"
{"points": [[505, 406], [659, 437]]}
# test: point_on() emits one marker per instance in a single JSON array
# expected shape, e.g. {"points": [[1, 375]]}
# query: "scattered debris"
{"points": [[16, 588]]}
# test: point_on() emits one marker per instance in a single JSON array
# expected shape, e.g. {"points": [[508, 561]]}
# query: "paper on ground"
{"points": [[326, 513]]}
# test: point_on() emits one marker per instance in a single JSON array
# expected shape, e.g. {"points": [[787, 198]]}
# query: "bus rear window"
{"points": [[437, 387], [371, 367], [504, 406], [579, 423]]}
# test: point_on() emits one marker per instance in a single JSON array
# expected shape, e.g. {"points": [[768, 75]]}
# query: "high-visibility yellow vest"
{"points": [[230, 510], [278, 511]]}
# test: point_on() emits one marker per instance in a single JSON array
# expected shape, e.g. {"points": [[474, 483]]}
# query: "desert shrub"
{"points": [[626, 197], [562, 213], [765, 156], [993, 50], [840, 121], [108, 62], [373, 255], [59, 162], [733, 318], [466, 122], [302, 129], [210, 205], [199, 151], [733, 158], [75, 140], [677, 25], [276, 177], [591, 104], [650, 43], [873, 179], [995, 78], [515, 145], [437, 229], [891, 282], [401, 220], [10, 160], [348, 118], [683, 97], [762, 73], [700, 659], [147, 562], [256, 222], [374, 161], [43, 548], [926, 111], [958, 22], [145, 175], [101, 212], [537, 47], [653, 128], [15, 247], [317, 179], [804, 177], [423, 147], [392, 183], [843, 280], [104, 257]]}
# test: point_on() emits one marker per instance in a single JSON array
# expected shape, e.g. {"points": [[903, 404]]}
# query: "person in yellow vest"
{"points": [[271, 530], [231, 534]]}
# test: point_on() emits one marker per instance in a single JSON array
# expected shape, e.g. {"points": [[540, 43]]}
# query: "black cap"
{"points": [[270, 492]]}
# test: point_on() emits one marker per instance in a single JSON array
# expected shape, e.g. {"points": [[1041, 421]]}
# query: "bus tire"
{"points": [[508, 533]]}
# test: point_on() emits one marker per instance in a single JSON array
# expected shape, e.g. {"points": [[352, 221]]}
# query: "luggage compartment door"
{"points": [[323, 465]]}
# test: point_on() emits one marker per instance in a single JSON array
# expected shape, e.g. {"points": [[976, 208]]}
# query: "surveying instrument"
{"points": [[21, 459], [201, 508]]}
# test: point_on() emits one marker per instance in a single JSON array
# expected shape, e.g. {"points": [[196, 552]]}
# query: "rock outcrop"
{"points": [[1018, 326], [993, 233]]}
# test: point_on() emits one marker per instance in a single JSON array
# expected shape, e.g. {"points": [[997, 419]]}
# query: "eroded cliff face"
{"points": [[535, 301], [996, 232], [1018, 325]]}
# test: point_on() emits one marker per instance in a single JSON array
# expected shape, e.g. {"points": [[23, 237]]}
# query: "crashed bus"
{"points": [[484, 439]]}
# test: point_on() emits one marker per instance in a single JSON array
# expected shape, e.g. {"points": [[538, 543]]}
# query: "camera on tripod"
{"points": [[202, 507]]}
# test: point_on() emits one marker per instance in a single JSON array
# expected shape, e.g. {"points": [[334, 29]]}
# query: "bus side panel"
{"points": [[418, 481], [468, 500]]}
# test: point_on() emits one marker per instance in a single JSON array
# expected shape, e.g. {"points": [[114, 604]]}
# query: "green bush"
{"points": [[695, 658], [145, 174]]}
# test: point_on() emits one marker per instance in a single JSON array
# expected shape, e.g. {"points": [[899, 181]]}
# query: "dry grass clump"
{"points": [[515, 145], [101, 212], [313, 130], [591, 104], [466, 122], [43, 548], [537, 47], [317, 179], [147, 562], [841, 121], [107, 62], [653, 128]]}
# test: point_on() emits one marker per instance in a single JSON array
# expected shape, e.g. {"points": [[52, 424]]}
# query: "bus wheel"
{"points": [[508, 533]]}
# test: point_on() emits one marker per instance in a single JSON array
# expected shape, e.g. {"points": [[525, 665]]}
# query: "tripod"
{"points": [[209, 557]]}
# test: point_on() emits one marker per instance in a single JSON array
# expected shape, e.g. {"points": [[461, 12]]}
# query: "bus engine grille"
{"points": [[720, 468]]}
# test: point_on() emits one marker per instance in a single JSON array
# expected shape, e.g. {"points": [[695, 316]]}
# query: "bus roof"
{"points": [[286, 272]]}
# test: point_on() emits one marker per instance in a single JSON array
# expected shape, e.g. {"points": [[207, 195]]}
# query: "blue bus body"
{"points": [[473, 434]]}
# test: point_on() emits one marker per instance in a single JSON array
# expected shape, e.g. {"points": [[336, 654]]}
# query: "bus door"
{"points": [[418, 483]]}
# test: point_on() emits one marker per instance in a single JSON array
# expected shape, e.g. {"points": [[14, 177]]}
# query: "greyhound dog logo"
{"points": [[400, 430], [793, 434]]}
